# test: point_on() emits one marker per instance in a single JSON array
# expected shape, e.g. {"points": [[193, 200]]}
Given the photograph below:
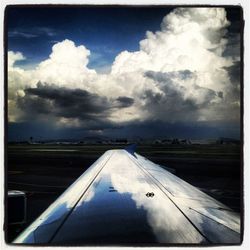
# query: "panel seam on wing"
{"points": [[213, 220], [84, 192], [158, 184]]}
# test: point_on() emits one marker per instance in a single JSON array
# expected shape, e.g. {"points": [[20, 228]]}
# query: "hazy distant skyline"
{"points": [[123, 72]]}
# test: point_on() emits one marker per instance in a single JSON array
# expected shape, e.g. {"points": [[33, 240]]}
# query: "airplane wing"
{"points": [[123, 198]]}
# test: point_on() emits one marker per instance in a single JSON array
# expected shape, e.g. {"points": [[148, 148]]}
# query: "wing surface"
{"points": [[124, 198]]}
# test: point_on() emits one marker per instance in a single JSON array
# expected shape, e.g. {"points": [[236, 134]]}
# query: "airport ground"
{"points": [[44, 171]]}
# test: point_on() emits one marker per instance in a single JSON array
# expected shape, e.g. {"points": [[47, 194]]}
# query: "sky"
{"points": [[123, 72]]}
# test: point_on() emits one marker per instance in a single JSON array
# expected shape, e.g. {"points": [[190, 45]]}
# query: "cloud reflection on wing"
{"points": [[167, 222]]}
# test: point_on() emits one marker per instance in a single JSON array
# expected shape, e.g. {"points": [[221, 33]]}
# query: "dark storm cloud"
{"points": [[163, 77], [235, 85], [71, 103], [234, 73], [153, 98], [125, 101], [167, 83], [233, 45], [233, 33], [61, 101], [171, 104], [51, 101], [220, 94], [33, 105], [208, 95]]}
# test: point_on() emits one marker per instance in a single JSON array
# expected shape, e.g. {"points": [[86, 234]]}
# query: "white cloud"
{"points": [[183, 43], [14, 57], [190, 40], [66, 66]]}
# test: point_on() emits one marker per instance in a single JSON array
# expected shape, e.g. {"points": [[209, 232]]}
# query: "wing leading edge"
{"points": [[125, 198]]}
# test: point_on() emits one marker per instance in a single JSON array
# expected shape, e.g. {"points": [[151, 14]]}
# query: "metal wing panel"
{"points": [[124, 198], [215, 231], [41, 230], [177, 187], [227, 218], [199, 207], [116, 209]]}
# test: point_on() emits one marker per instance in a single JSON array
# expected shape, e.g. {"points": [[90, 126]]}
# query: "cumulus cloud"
{"points": [[184, 72], [13, 57], [66, 65], [187, 37]]}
